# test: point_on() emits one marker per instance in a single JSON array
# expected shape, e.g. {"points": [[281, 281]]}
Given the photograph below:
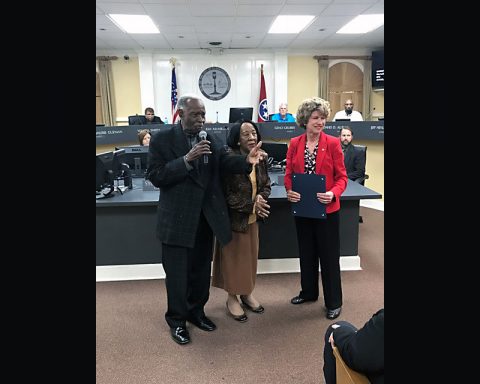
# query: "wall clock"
{"points": [[214, 83]]}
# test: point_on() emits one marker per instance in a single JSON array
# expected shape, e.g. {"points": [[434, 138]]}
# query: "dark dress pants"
{"points": [[329, 365], [319, 241], [187, 280]]}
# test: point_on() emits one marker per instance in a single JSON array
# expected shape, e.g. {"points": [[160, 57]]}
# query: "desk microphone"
{"points": [[203, 136], [139, 121]]}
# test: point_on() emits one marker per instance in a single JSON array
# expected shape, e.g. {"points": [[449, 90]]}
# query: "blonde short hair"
{"points": [[310, 105]]}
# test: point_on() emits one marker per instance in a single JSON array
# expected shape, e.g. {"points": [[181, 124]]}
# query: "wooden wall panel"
{"points": [[345, 82]]}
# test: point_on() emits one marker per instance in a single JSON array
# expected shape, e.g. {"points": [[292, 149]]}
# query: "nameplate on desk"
{"points": [[124, 133], [148, 186], [364, 130], [279, 130]]}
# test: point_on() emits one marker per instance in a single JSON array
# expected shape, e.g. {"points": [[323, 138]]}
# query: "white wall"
{"points": [[244, 72]]}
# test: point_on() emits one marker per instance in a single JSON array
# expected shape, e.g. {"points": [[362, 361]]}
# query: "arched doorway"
{"points": [[345, 82]]}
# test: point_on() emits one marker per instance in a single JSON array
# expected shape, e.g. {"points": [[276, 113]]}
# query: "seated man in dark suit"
{"points": [[148, 118], [362, 350], [354, 158]]}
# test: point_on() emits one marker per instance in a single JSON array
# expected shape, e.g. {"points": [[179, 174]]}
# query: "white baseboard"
{"points": [[374, 204], [155, 271], [130, 272]]}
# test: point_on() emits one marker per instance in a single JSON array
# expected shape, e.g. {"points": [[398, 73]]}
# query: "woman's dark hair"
{"points": [[142, 134], [234, 135]]}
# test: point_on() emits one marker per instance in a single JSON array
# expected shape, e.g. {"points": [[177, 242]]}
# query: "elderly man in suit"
{"points": [[191, 210], [354, 159]]}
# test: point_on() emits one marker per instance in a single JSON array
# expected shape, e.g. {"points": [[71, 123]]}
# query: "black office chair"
{"points": [[361, 180], [136, 120], [362, 148]]}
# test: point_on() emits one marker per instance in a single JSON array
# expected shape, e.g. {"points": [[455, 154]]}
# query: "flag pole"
{"points": [[174, 90], [262, 114]]}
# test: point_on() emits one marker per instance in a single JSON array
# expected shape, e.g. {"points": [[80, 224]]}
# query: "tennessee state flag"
{"points": [[174, 96], [262, 103]]}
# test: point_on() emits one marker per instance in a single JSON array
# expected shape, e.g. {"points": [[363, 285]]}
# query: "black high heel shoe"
{"points": [[241, 318], [258, 309]]}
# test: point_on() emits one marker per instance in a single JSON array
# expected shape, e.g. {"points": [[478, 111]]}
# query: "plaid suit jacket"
{"points": [[184, 194]]}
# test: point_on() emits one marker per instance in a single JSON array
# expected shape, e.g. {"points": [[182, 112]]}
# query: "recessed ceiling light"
{"points": [[363, 24], [215, 42], [134, 23], [290, 23]]}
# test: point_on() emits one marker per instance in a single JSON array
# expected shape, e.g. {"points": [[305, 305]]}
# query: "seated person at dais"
{"points": [[151, 118], [283, 116], [348, 113], [148, 118], [144, 137], [353, 157]]}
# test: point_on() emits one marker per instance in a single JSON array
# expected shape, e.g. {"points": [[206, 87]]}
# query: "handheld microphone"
{"points": [[203, 136]]}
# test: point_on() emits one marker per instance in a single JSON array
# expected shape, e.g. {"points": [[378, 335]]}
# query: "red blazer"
{"points": [[329, 163]]}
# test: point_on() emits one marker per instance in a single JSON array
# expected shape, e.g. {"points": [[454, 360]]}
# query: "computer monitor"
{"points": [[237, 114], [136, 157], [276, 151], [107, 167], [342, 119], [378, 78]]}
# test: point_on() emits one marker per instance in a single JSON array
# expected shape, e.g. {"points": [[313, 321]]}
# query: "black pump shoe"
{"points": [[258, 309], [241, 318]]}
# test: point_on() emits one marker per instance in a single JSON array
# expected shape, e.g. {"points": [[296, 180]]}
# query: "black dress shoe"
{"points": [[333, 313], [204, 323], [180, 335], [258, 309], [300, 300]]}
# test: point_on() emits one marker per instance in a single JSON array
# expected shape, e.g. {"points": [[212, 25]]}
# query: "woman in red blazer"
{"points": [[318, 239]]}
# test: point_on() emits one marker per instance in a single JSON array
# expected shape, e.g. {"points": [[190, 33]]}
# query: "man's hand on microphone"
{"points": [[256, 154], [198, 150]]}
